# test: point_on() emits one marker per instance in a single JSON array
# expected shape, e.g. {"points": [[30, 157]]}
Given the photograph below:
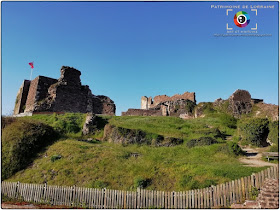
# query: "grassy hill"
{"points": [[112, 165], [68, 161]]}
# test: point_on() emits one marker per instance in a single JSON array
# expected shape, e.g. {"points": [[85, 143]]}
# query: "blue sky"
{"points": [[126, 50]]}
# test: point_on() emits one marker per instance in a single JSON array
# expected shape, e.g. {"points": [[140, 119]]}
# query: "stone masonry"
{"points": [[268, 197], [22, 97], [142, 112], [67, 94], [162, 105], [269, 194], [240, 102], [147, 103]]}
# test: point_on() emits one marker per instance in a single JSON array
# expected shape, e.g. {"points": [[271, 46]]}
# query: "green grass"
{"points": [[176, 127], [102, 164], [69, 124], [21, 140], [110, 165]]}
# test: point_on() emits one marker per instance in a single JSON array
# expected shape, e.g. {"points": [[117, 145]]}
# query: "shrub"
{"points": [[207, 108], [231, 148], [254, 131], [202, 141], [189, 107], [140, 182], [273, 135], [228, 120], [63, 123], [55, 157], [21, 141], [5, 121], [235, 149], [254, 192]]}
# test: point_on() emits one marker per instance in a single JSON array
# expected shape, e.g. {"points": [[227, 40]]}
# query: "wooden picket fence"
{"points": [[222, 195]]}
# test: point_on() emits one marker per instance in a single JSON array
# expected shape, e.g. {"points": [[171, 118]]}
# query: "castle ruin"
{"points": [[67, 94], [164, 105]]}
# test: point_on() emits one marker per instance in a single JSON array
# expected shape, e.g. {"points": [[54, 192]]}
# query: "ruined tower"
{"points": [[66, 94]]}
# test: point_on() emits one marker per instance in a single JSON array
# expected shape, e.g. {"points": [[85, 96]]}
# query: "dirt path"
{"points": [[254, 157]]}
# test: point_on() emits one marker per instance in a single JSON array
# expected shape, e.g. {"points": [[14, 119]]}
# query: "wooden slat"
{"points": [[247, 186], [211, 197], [198, 199], [265, 173], [275, 172], [240, 191], [262, 177], [269, 173], [204, 198], [233, 191], [250, 187], [192, 198], [187, 199], [222, 195]]}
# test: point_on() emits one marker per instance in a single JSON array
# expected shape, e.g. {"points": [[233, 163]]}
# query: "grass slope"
{"points": [[177, 127], [110, 165]]}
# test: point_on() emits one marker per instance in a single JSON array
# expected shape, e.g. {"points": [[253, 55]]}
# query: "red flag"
{"points": [[31, 65]]}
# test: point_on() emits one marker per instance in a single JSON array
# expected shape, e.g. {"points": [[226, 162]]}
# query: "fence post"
{"points": [[104, 198], [44, 191], [17, 189], [138, 198], [72, 196]]}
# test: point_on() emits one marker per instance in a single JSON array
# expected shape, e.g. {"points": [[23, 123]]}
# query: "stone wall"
{"points": [[240, 103], [147, 103], [38, 91], [174, 106], [163, 98], [67, 98], [103, 104], [269, 194], [31, 95], [127, 136], [65, 95], [142, 112], [21, 97]]}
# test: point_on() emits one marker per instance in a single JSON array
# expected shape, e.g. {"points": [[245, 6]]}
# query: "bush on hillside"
{"points": [[231, 148], [140, 182], [228, 120], [208, 108], [235, 149], [273, 135], [254, 131], [214, 132], [202, 141], [63, 123], [5, 121], [21, 141]]}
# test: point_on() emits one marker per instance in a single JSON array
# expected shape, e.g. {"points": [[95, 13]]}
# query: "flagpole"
{"points": [[31, 74]]}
